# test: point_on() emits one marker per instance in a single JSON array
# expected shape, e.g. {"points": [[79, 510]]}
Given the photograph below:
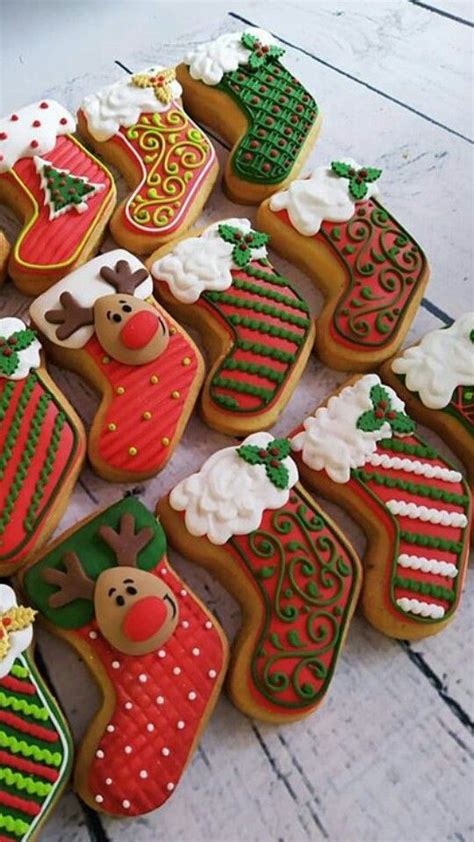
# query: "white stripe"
{"points": [[426, 609], [413, 466], [425, 514], [428, 565]]}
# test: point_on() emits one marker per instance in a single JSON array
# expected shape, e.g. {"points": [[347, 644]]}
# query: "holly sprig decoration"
{"points": [[243, 244], [358, 179], [271, 457], [260, 53], [383, 412], [10, 348], [161, 82]]}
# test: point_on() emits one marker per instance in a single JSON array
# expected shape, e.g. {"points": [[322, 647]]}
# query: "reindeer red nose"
{"points": [[139, 330], [144, 619]]}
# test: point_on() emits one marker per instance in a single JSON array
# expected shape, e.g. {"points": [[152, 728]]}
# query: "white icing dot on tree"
{"points": [[180, 725], [143, 678], [160, 700], [115, 665], [196, 651]]}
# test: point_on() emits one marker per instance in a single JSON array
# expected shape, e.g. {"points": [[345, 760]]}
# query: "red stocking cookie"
{"points": [[42, 446], [35, 744], [138, 124], [158, 655], [244, 517], [102, 322], [371, 271], [62, 193], [436, 379], [258, 329], [361, 450]]}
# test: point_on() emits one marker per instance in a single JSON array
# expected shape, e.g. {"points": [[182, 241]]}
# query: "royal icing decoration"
{"points": [[110, 588], [32, 131], [19, 349], [16, 630], [440, 363], [120, 105], [63, 190], [234, 487], [209, 62], [329, 193]]}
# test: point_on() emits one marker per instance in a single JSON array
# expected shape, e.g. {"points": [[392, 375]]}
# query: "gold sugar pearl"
{"points": [[165, 441], [132, 451], [175, 395], [112, 427], [154, 379], [146, 415], [173, 330], [120, 390], [186, 361]]}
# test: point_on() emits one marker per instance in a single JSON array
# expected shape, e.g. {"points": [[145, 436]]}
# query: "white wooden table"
{"points": [[389, 756]]}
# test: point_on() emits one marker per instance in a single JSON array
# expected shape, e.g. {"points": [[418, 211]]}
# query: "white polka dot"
{"points": [[128, 749], [108, 781], [185, 624], [212, 673], [163, 571], [208, 625], [99, 799], [150, 727], [93, 635], [196, 651], [160, 700], [165, 751], [110, 729], [143, 678], [170, 787], [183, 592], [192, 695], [128, 705], [176, 670], [162, 653], [143, 773], [181, 724], [99, 753], [125, 804], [115, 665]]}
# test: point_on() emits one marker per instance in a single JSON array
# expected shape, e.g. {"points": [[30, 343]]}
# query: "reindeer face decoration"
{"points": [[134, 610], [129, 329]]}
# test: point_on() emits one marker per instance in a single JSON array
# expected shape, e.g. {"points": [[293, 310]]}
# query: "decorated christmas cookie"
{"points": [[258, 329], [244, 517], [63, 195], [35, 744], [138, 124], [370, 270], [362, 451], [102, 322], [436, 379], [156, 652], [42, 446], [4, 255], [237, 85]]}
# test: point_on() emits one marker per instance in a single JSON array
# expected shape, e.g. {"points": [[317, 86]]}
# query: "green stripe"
{"points": [[424, 588], [429, 541], [399, 446], [264, 327], [265, 351], [16, 826], [6, 398], [244, 388], [41, 755], [258, 307], [226, 401], [271, 277], [19, 672], [15, 426], [296, 303], [45, 471], [412, 487], [254, 368], [24, 782], [22, 706]]}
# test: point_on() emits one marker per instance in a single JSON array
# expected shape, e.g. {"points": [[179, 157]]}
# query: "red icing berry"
{"points": [[12, 340], [391, 415], [275, 463], [288, 90], [263, 454], [34, 144], [249, 238], [265, 49], [36, 124], [288, 131], [7, 352], [382, 404], [273, 451], [282, 142], [266, 167], [363, 173], [44, 105], [248, 156], [282, 99], [299, 108], [243, 247], [63, 121], [273, 153], [379, 413], [254, 144], [240, 76], [276, 109], [262, 133], [14, 118], [269, 79], [263, 88], [238, 235], [294, 118], [305, 98], [269, 121], [3, 135], [255, 100]]}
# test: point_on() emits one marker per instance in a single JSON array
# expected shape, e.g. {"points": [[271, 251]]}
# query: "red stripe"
{"points": [[37, 731], [5, 838], [23, 765], [31, 808], [18, 686]]}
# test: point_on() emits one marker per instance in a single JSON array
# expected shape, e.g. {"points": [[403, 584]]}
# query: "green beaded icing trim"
{"points": [[22, 706], [19, 672], [264, 327], [424, 588], [399, 446], [258, 307], [272, 278], [244, 388], [45, 472], [297, 304], [429, 541], [256, 368], [266, 351], [16, 826], [6, 397], [25, 783], [41, 755], [413, 487], [15, 426]]}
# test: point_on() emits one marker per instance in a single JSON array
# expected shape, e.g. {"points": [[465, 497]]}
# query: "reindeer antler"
{"points": [[73, 584], [70, 317], [125, 543], [122, 278]]}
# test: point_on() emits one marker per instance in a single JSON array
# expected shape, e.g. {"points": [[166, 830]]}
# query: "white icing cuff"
{"points": [[208, 62], [18, 640], [25, 360], [32, 130]]}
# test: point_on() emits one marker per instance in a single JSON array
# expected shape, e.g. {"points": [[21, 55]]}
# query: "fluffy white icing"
{"points": [[428, 565], [414, 466], [28, 358], [426, 514], [331, 440], [324, 196], [208, 62], [121, 104], [228, 496], [86, 285], [19, 640], [201, 263], [40, 163], [424, 609], [443, 360], [18, 134]]}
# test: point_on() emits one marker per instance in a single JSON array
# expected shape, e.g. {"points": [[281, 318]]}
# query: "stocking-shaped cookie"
{"points": [[138, 124], [370, 270], [244, 517], [42, 446], [436, 379], [35, 744], [102, 322], [63, 195], [361, 450], [258, 329], [157, 653], [238, 87]]}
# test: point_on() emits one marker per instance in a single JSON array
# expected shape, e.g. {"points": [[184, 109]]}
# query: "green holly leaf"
{"points": [[247, 40], [259, 239], [402, 424], [357, 189], [255, 61], [241, 256], [341, 169], [379, 393], [8, 365], [368, 422], [227, 232], [276, 52], [23, 339], [251, 454], [372, 174], [283, 446], [279, 476]]}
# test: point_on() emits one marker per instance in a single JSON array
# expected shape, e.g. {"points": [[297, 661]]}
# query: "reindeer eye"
{"points": [[171, 602], [126, 308], [116, 317], [120, 600], [111, 591], [131, 590]]}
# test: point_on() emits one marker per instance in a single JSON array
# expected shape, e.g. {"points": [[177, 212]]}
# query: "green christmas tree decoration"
{"points": [[260, 53], [382, 412], [358, 179], [243, 244], [271, 457], [63, 190], [10, 348]]}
